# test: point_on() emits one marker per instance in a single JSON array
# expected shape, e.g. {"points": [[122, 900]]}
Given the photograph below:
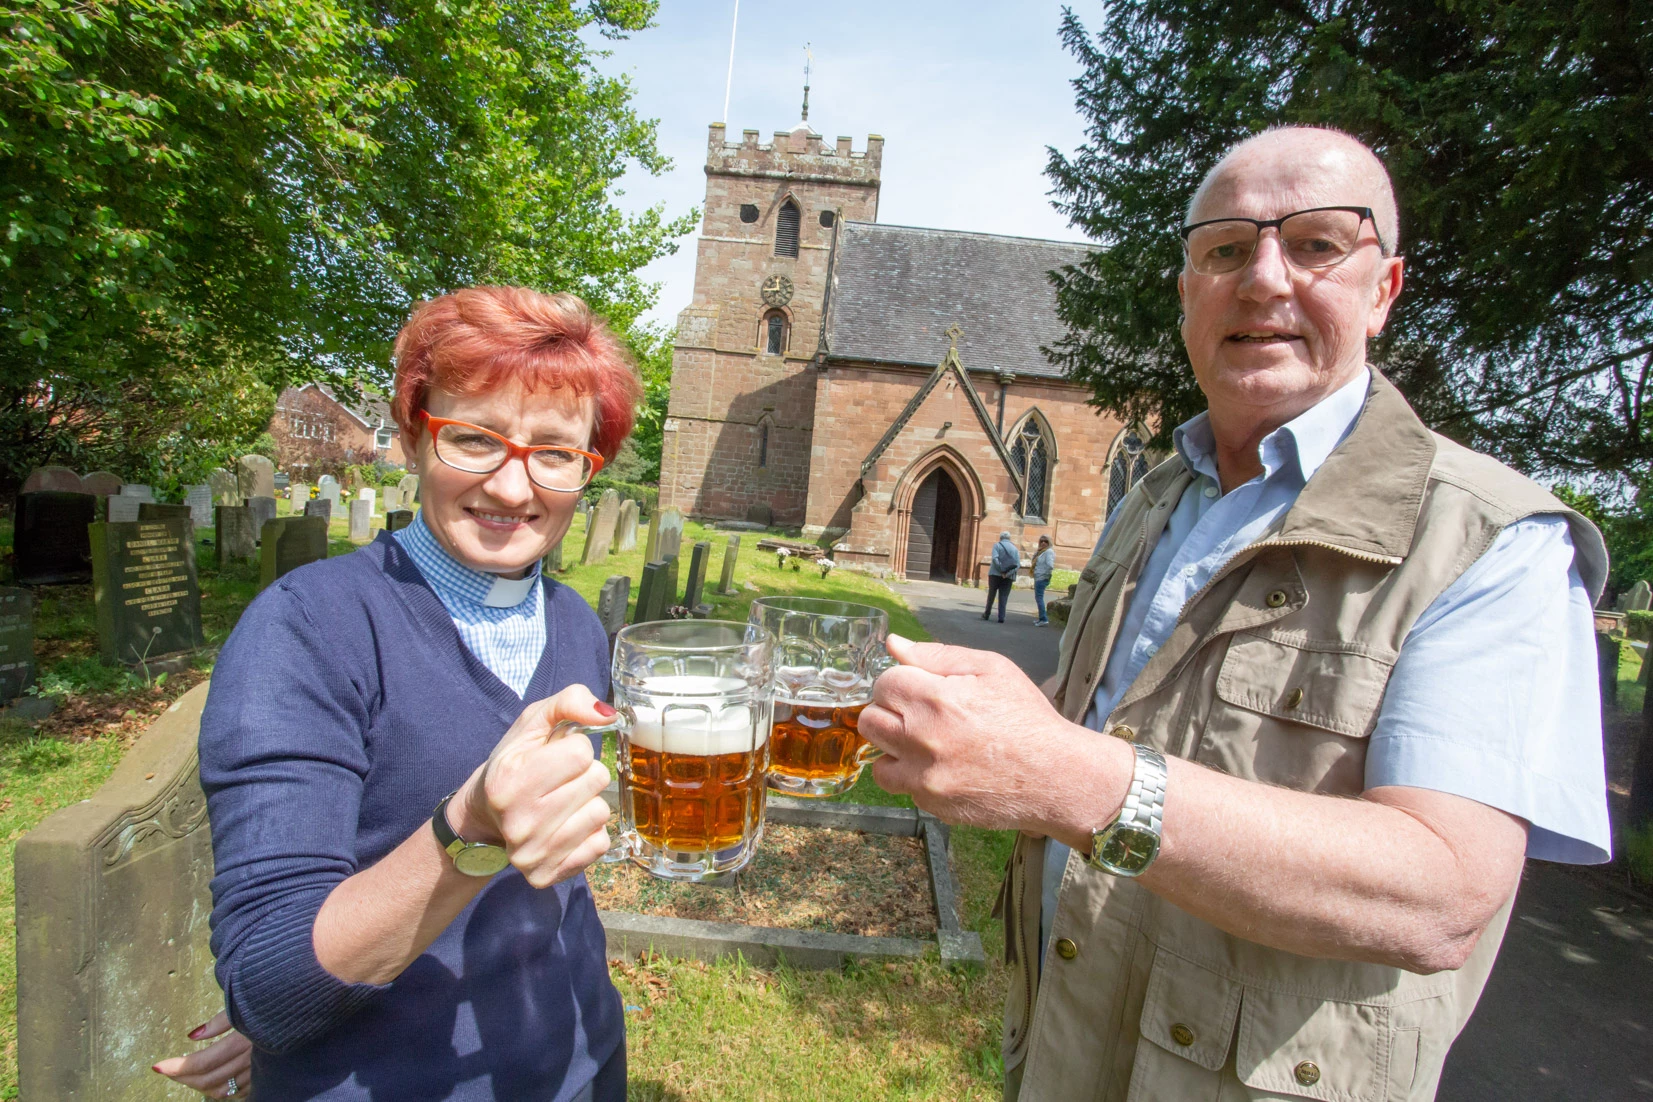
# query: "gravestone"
{"points": [[731, 552], [361, 520], [625, 531], [138, 490], [199, 499], [669, 598], [670, 543], [552, 562], [298, 496], [289, 543], [371, 497], [17, 642], [398, 519], [599, 535], [392, 498], [697, 580], [156, 510], [650, 592], [263, 510], [611, 604], [101, 483], [226, 490], [143, 584], [328, 490], [50, 544], [319, 507], [233, 534], [59, 480], [255, 475], [760, 514], [409, 485], [122, 508], [113, 894], [1641, 596]]}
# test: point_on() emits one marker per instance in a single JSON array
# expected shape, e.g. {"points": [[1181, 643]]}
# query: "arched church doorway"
{"points": [[933, 533]]}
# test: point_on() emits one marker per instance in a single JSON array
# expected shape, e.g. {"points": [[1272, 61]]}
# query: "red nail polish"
{"points": [[604, 710], [195, 1034], [156, 1068]]}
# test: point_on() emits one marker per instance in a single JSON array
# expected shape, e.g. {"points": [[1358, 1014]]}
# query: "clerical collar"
{"points": [[453, 580], [511, 592]]}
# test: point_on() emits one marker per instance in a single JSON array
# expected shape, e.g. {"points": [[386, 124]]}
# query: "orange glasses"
{"points": [[476, 450]]}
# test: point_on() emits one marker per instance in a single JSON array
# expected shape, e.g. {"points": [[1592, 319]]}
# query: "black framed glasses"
{"points": [[1320, 237], [476, 450]]}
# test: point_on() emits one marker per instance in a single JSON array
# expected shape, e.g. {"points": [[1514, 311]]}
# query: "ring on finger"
{"points": [[230, 1089]]}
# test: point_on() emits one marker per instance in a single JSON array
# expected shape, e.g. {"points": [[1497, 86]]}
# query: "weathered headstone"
{"points": [[361, 520], [233, 534], [139, 490], [731, 552], [101, 483], [59, 480], [319, 507], [650, 592], [199, 499], [262, 510], [369, 495], [17, 642], [599, 536], [163, 510], [392, 498], [49, 539], [625, 532], [144, 588], [113, 894], [328, 490], [398, 519], [551, 563], [1641, 596], [697, 578], [611, 604], [256, 476], [289, 543], [669, 598], [670, 522], [760, 514], [226, 489], [409, 485], [298, 496], [121, 508]]}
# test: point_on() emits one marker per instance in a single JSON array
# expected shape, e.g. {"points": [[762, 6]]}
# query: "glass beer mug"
{"points": [[827, 655], [694, 703]]}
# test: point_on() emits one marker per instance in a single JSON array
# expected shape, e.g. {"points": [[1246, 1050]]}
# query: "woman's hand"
{"points": [[539, 796], [211, 1070]]}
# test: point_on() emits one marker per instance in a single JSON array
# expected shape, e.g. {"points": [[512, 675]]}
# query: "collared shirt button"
{"points": [[1210, 491], [1182, 1035], [1308, 1073], [1191, 569], [1066, 949]]}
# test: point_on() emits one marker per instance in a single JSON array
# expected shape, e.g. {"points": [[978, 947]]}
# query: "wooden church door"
{"points": [[933, 531]]}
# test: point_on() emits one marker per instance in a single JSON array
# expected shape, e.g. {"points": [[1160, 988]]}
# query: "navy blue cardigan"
{"points": [[343, 707]]}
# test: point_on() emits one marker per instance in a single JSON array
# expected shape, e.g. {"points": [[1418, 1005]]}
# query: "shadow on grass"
{"points": [[652, 1090]]}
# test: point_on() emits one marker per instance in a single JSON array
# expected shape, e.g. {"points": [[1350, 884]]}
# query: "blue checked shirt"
{"points": [[509, 640]]}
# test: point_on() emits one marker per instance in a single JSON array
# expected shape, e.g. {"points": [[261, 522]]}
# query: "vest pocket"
{"points": [[1187, 1026], [1303, 1047], [1331, 685]]}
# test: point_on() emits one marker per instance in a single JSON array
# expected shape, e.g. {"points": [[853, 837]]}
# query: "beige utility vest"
{"points": [[1275, 674]]}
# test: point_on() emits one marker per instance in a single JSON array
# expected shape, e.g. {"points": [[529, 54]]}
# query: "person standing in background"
{"points": [[1001, 572], [1044, 565]]}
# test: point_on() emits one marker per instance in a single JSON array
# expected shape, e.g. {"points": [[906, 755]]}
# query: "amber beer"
{"points": [[816, 743]]}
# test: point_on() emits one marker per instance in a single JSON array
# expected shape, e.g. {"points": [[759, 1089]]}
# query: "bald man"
{"points": [[1328, 677]]}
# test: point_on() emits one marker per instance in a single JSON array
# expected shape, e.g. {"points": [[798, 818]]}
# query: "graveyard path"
{"points": [[1566, 1014]]}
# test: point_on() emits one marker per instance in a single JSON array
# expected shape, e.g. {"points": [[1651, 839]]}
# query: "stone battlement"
{"points": [[797, 154]]}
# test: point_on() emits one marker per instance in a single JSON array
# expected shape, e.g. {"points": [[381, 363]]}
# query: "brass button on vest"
{"points": [[1308, 1073], [1181, 1034], [1124, 732], [1275, 599], [1067, 950], [1294, 698]]}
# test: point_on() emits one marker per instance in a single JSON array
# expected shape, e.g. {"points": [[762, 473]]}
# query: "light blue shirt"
{"points": [[1494, 696], [501, 620]]}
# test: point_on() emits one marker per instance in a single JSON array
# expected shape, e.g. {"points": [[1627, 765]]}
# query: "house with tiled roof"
{"points": [[317, 432], [882, 387]]}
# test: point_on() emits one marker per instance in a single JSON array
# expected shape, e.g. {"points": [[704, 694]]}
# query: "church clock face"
{"points": [[777, 291]]}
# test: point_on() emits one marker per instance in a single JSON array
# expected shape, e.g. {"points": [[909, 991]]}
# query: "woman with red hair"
{"points": [[367, 947]]}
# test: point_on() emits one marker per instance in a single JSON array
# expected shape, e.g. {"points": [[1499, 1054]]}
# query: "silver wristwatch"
{"points": [[1130, 844]]}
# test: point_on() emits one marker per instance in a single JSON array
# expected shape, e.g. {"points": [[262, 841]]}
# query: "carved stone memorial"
{"points": [[670, 543], [611, 604], [102, 483], [233, 534], [262, 510], [298, 496], [160, 510], [731, 553], [625, 532], [289, 543], [122, 508], [650, 591], [113, 964], [60, 480], [144, 588], [361, 520], [371, 496], [392, 498], [599, 534], [17, 642], [698, 557], [398, 519], [319, 507], [256, 476], [50, 544], [199, 499], [226, 489], [409, 485]]}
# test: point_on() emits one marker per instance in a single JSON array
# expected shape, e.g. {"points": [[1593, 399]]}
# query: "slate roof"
{"points": [[897, 289]]}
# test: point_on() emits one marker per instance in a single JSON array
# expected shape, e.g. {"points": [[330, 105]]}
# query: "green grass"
{"points": [[1631, 692]]}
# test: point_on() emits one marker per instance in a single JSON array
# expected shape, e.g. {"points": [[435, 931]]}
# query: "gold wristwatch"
{"points": [[470, 858]]}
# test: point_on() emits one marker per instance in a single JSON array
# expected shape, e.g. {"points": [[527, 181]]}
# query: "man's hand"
{"points": [[974, 741], [541, 797]]}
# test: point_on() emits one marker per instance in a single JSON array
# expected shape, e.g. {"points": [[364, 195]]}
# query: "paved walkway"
{"points": [[1568, 1013]]}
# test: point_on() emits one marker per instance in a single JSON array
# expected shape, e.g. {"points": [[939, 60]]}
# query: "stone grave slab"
{"points": [[370, 496], [255, 475], [289, 543], [49, 541], [113, 962], [319, 507], [138, 490], [144, 588], [1641, 596], [17, 642], [392, 498], [199, 500], [698, 556], [102, 483], [599, 535], [226, 489], [669, 596], [161, 510], [233, 534], [361, 520], [625, 531], [397, 519], [612, 602], [298, 496], [409, 485], [122, 508], [731, 553], [328, 490], [262, 510], [651, 591], [670, 541], [60, 480]]}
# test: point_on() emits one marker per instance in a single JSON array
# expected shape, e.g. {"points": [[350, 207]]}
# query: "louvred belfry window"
{"points": [[786, 229]]}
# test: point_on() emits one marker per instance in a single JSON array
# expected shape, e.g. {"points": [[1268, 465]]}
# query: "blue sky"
{"points": [[967, 95]]}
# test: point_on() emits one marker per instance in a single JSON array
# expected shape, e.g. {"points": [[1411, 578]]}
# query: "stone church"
{"points": [[880, 386]]}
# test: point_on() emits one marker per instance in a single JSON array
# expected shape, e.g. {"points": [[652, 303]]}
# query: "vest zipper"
{"points": [[1251, 552]]}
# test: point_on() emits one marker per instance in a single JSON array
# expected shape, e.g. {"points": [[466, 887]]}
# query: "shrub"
{"points": [[1639, 625], [646, 497]]}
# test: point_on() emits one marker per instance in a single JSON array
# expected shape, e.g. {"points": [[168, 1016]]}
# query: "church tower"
{"points": [[738, 433]]}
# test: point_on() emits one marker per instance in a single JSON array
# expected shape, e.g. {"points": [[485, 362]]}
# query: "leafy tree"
{"points": [[653, 349], [1516, 132]]}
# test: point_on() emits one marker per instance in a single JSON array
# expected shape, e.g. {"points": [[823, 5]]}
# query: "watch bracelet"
{"points": [[1144, 804]]}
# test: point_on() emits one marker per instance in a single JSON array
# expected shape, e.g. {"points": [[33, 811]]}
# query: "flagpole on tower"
{"points": [[729, 83], [808, 57]]}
